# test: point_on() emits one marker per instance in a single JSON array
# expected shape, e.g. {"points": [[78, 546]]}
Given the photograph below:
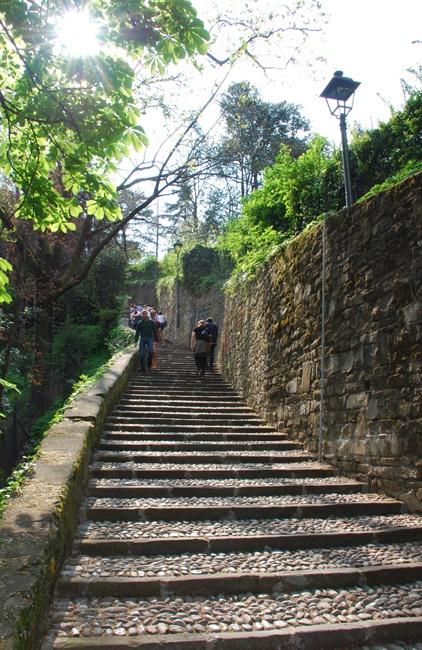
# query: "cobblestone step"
{"points": [[262, 562], [209, 445], [175, 394], [184, 401], [120, 510], [241, 470], [203, 457], [350, 610], [188, 427], [175, 512], [259, 562], [181, 407], [230, 583], [274, 531], [110, 546], [188, 418], [177, 435], [116, 488]]}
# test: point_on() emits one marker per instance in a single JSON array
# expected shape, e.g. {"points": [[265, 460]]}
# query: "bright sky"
{"points": [[371, 41]]}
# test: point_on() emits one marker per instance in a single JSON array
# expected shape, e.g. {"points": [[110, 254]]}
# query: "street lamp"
{"points": [[178, 245], [339, 95]]}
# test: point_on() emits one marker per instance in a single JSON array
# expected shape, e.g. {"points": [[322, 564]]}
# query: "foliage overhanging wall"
{"points": [[271, 341]]}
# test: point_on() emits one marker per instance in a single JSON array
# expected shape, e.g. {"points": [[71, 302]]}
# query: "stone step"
{"points": [[182, 396], [203, 528], [244, 534], [190, 380], [170, 402], [229, 583], [135, 546], [326, 618], [345, 637], [149, 470], [209, 445], [125, 489], [195, 509], [222, 457], [189, 426], [188, 437], [199, 389], [185, 413], [207, 419], [189, 383], [269, 562], [185, 407]]}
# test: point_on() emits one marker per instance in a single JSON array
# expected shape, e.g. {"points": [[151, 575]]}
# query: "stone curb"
{"points": [[172, 546], [207, 585], [256, 511], [38, 525], [329, 637]]}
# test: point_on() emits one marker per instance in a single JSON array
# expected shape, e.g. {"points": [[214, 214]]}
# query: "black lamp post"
{"points": [[177, 247], [339, 95]]}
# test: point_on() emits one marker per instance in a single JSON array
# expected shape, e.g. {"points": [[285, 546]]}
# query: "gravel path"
{"points": [[241, 612], [262, 561], [242, 527]]}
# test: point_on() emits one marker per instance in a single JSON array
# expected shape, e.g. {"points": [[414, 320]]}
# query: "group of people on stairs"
{"points": [[149, 332]]}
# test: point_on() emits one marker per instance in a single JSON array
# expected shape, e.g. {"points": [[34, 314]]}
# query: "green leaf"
{"points": [[75, 210]]}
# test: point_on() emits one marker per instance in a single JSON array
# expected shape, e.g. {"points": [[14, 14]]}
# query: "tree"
{"points": [[255, 130], [65, 124]]}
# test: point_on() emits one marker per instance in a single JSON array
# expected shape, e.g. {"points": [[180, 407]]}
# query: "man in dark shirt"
{"points": [[145, 330], [212, 331]]}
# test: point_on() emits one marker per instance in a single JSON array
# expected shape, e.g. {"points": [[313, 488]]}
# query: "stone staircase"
{"points": [[203, 528]]}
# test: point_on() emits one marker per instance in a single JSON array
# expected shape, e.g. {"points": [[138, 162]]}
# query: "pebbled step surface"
{"points": [[242, 612], [261, 561]]}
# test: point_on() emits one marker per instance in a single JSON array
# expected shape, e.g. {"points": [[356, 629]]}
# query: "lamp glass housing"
{"points": [[339, 94]]}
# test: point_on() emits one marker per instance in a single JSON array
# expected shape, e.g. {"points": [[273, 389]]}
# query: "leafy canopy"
{"points": [[66, 121]]}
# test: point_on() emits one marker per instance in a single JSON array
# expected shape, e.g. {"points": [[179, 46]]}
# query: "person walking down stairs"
{"points": [[200, 344], [145, 331]]}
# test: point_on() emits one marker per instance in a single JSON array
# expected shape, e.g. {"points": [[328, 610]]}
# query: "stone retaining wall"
{"points": [[38, 525], [271, 343]]}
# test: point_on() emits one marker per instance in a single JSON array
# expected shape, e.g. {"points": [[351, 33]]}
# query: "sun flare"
{"points": [[77, 34]]}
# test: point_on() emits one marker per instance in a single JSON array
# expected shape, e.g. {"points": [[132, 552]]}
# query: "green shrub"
{"points": [[14, 482], [77, 341], [119, 338], [412, 167]]}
